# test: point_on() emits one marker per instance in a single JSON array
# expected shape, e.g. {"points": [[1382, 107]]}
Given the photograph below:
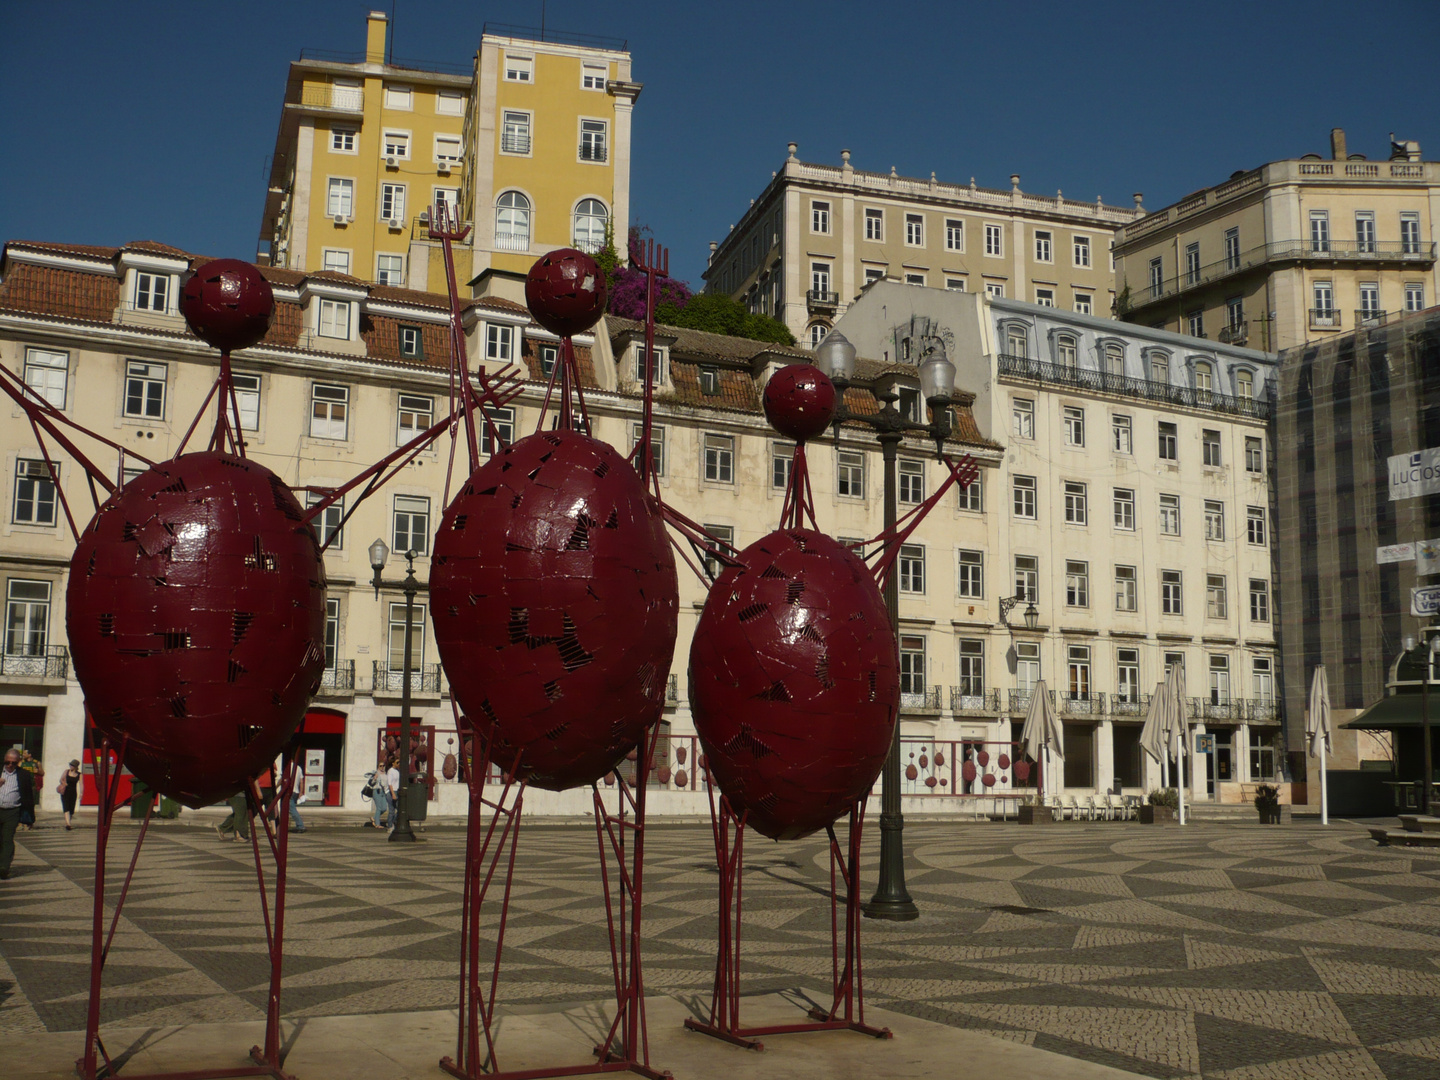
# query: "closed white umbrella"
{"points": [[1175, 716], [1153, 735], [1319, 732], [1042, 729]]}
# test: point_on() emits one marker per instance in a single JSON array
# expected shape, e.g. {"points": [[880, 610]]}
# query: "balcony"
{"points": [[1020, 700], [1262, 711], [970, 701], [1235, 334], [590, 151], [1230, 710], [1369, 318], [821, 300], [348, 99], [672, 690], [1103, 382], [1080, 703], [926, 700], [338, 681], [390, 682], [1325, 319], [515, 142], [49, 663], [1138, 705], [513, 240]]}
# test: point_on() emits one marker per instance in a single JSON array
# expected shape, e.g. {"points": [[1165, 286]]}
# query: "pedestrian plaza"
{"points": [[1214, 950]]}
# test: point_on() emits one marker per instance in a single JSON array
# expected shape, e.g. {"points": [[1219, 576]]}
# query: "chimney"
{"points": [[1337, 144], [376, 23]]}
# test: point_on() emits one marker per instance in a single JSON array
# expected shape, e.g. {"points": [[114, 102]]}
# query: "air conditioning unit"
{"points": [[394, 223], [424, 217], [392, 161], [341, 219], [444, 167]]}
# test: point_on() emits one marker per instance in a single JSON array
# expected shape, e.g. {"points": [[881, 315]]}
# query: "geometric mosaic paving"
{"points": [[1222, 951]]}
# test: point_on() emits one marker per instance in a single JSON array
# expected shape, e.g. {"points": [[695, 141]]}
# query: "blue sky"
{"points": [[126, 121]]}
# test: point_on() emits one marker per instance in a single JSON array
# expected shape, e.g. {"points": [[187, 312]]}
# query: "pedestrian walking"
{"points": [[379, 794], [69, 791], [17, 801], [392, 779], [296, 794]]}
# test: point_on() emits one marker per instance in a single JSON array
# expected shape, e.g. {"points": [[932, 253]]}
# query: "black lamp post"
{"points": [[1031, 614], [836, 358], [379, 556], [1429, 646]]}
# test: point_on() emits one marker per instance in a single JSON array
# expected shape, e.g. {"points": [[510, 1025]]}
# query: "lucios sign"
{"points": [[1414, 474]]}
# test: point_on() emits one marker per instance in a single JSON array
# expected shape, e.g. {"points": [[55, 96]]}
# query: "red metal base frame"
{"points": [[847, 1009], [96, 1063], [494, 838]]}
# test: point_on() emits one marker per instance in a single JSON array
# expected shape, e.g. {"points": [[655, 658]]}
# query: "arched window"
{"points": [[512, 222], [1159, 367], [1244, 383], [818, 331], [1204, 379], [591, 217], [1065, 351], [1114, 359]]}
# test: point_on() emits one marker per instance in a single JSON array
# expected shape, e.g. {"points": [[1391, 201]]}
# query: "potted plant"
{"points": [[1267, 802], [1034, 812], [1161, 807]]}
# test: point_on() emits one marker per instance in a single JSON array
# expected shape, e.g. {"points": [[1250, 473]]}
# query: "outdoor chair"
{"points": [[1073, 805], [1119, 811], [1057, 807], [1099, 808]]}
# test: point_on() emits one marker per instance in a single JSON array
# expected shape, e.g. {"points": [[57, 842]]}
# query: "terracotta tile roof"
{"points": [[66, 249], [156, 247], [382, 342], [55, 290], [702, 343], [736, 389], [584, 360]]}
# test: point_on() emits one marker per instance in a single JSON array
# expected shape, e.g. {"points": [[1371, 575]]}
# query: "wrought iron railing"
{"points": [[512, 241], [1325, 318], [1020, 700], [1138, 705], [592, 151], [969, 701], [1231, 709], [1081, 703], [341, 677], [1234, 334], [1262, 711], [344, 98], [47, 662], [1104, 382], [822, 298], [424, 679], [926, 699], [514, 142]]}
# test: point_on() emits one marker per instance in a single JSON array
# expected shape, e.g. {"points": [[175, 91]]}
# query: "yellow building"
{"points": [[532, 148]]}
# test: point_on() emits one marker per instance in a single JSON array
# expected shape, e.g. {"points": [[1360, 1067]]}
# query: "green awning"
{"points": [[1395, 711]]}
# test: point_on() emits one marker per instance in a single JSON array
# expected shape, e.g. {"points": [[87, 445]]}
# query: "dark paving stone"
{"points": [[1405, 1067], [1229, 1044], [1100, 1056], [1383, 1018]]}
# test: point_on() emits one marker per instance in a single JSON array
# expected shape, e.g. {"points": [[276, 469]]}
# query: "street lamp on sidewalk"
{"points": [[1430, 645], [836, 358], [379, 556]]}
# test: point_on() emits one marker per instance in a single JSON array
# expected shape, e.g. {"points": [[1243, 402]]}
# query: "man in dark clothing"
{"points": [[17, 795]]}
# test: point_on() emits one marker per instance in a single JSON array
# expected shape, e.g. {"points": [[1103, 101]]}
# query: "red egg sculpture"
{"points": [[554, 599], [800, 401], [196, 616], [793, 682], [565, 291], [228, 304]]}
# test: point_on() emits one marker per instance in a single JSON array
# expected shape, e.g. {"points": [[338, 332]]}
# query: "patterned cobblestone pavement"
{"points": [[1223, 951]]}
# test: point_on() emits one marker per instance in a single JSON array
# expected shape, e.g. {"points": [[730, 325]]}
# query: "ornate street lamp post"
{"points": [[379, 556], [836, 357], [1429, 647]]}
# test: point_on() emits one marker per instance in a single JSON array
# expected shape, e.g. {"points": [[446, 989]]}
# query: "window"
{"points": [[1115, 361], [1075, 503], [1157, 278], [503, 420], [515, 132], [27, 617], [994, 240], [247, 397], [995, 289], [1219, 680], [34, 493], [850, 480], [914, 279], [657, 444], [1210, 444], [450, 103], [1122, 439], [1245, 385], [1083, 303], [954, 235], [1024, 487], [1127, 676], [1125, 509], [912, 568], [1077, 583], [1414, 296], [1255, 525], [332, 633], [819, 331], [392, 202], [1015, 342], [1262, 685], [1159, 368], [1410, 234], [912, 481], [909, 403], [1022, 410], [955, 284], [548, 355], [912, 669], [145, 389], [1262, 755], [1078, 657], [1254, 454], [499, 342], [329, 524], [873, 273], [1214, 520], [915, 230], [592, 76], [1074, 425], [1027, 664], [1195, 323], [1169, 450], [1192, 264], [1259, 600], [1235, 313], [1126, 592], [47, 375], [782, 458], [152, 292], [1170, 515], [1365, 231], [1044, 251], [972, 671], [395, 144], [512, 222], [720, 458], [336, 260], [1232, 249], [341, 200], [399, 97], [519, 68], [971, 575], [1369, 299], [395, 640], [329, 412], [1204, 380], [334, 319], [1065, 352], [820, 217], [874, 224], [820, 280], [416, 415], [390, 270], [1170, 592], [725, 538], [449, 198], [1319, 230], [412, 524], [342, 140], [709, 377], [972, 497], [1045, 297], [593, 137], [411, 343], [1080, 250], [1027, 578], [1322, 294]]}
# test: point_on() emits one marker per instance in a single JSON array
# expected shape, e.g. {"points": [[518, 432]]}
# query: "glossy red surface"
{"points": [[800, 401], [196, 615], [554, 599], [228, 304], [565, 291], [793, 682]]}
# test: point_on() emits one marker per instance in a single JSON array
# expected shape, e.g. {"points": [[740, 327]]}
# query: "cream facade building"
{"points": [[817, 234], [1294, 251], [531, 147]]}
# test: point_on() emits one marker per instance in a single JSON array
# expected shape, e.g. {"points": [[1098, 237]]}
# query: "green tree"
{"points": [[717, 313]]}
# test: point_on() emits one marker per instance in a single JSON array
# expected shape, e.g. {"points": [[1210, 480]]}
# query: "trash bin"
{"points": [[417, 795], [140, 799]]}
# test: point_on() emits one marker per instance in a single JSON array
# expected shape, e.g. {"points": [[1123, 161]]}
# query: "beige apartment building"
{"points": [[817, 234], [530, 146], [1293, 251]]}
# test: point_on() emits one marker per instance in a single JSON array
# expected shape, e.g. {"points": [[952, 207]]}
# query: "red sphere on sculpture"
{"points": [[554, 599], [196, 616], [565, 291], [800, 402], [794, 683], [228, 304]]}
